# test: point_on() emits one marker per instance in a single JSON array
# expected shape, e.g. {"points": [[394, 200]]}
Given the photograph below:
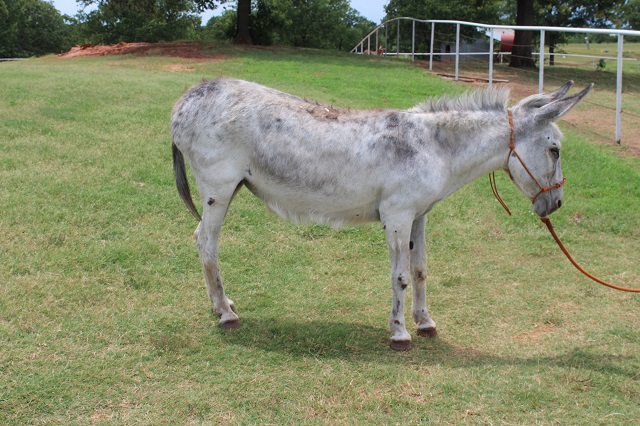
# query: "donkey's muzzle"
{"points": [[545, 205]]}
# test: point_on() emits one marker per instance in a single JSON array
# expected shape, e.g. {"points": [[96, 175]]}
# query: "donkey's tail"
{"points": [[182, 182]]}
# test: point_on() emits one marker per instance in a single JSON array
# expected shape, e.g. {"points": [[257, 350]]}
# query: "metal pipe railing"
{"points": [[542, 30]]}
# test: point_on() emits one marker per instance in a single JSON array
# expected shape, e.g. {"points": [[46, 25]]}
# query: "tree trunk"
{"points": [[521, 53], [243, 35]]}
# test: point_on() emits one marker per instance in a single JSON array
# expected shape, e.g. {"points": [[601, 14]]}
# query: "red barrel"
{"points": [[506, 42]]}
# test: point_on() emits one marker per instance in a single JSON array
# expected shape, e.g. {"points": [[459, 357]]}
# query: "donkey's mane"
{"points": [[476, 100]]}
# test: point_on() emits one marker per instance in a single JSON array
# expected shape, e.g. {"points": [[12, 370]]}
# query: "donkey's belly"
{"points": [[303, 205]]}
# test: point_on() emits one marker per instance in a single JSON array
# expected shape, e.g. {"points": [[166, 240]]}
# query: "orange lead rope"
{"points": [[545, 220], [494, 188]]}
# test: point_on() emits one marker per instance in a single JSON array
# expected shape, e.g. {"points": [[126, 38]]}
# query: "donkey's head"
{"points": [[534, 162]]}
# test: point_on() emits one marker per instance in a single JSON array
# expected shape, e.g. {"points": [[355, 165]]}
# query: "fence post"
{"points": [[376, 46], [386, 37], [369, 44], [413, 41], [491, 60], [398, 39], [541, 63], [457, 50], [433, 26], [619, 90]]}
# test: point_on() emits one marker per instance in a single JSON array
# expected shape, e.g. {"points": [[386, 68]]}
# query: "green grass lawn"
{"points": [[104, 318]]}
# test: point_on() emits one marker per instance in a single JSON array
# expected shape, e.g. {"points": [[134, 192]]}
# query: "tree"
{"points": [[221, 27], [483, 11], [521, 53], [325, 24], [144, 20], [31, 28], [630, 15], [243, 35], [560, 13]]}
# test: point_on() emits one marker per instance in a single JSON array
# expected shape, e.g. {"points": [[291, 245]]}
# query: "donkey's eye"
{"points": [[555, 152]]}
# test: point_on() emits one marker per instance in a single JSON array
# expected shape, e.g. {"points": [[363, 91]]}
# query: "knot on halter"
{"points": [[512, 150]]}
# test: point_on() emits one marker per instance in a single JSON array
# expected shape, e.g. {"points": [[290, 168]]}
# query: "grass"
{"points": [[104, 318]]}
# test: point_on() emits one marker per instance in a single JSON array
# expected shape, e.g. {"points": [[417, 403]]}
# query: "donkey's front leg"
{"points": [[398, 233], [426, 326]]}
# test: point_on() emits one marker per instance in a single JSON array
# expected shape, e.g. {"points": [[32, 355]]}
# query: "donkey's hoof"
{"points": [[400, 345], [430, 332], [229, 325]]}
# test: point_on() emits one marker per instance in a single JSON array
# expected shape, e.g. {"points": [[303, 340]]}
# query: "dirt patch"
{"points": [[534, 335], [185, 50], [180, 68]]}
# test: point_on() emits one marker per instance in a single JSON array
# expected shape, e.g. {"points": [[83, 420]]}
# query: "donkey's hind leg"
{"points": [[207, 235], [426, 326]]}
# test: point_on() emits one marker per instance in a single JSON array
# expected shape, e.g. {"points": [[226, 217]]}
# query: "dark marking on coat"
{"points": [[410, 245], [399, 147], [203, 89], [438, 137], [211, 201], [392, 120]]}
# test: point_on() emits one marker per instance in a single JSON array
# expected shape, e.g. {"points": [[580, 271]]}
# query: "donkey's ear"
{"points": [[560, 107], [559, 93], [539, 100]]}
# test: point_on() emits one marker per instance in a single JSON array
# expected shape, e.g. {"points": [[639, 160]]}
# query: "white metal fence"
{"points": [[491, 30]]}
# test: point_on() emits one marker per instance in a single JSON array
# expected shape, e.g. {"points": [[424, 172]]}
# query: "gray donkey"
{"points": [[314, 163]]}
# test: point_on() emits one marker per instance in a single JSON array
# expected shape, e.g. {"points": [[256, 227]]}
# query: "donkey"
{"points": [[313, 163]]}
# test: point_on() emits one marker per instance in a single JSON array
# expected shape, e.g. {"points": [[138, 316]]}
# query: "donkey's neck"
{"points": [[477, 143]]}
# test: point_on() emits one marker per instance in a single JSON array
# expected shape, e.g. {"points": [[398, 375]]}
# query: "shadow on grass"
{"points": [[357, 342]]}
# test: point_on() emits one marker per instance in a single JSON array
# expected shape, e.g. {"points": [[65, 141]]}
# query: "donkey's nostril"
{"points": [[559, 203]]}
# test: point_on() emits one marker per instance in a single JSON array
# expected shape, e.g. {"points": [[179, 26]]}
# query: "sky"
{"points": [[370, 9]]}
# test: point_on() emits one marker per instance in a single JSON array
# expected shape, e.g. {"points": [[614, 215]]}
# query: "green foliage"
{"points": [[482, 11], [31, 28], [320, 24], [221, 27], [577, 13], [147, 20], [631, 14]]}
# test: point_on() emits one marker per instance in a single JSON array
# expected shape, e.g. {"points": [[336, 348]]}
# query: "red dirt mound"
{"points": [[177, 50]]}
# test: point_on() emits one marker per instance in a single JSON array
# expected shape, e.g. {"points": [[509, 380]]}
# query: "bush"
{"points": [[31, 28]]}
